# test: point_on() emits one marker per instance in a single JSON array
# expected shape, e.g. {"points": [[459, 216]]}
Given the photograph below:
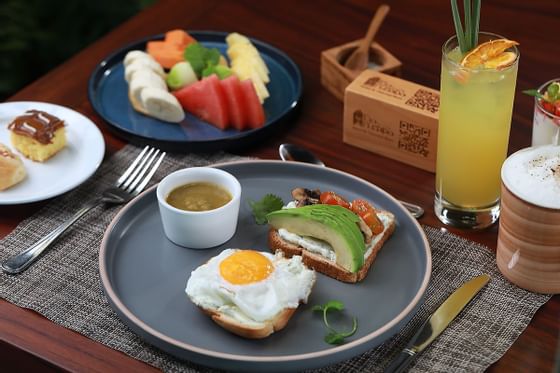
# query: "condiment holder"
{"points": [[335, 72]]}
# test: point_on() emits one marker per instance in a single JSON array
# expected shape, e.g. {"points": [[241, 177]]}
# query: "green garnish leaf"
{"points": [[335, 337], [266, 205], [212, 56], [534, 93], [334, 304], [467, 38], [475, 22], [458, 26], [552, 91], [201, 58], [194, 53], [221, 71]]}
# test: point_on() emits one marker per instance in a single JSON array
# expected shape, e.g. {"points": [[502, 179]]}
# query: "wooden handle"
{"points": [[374, 26]]}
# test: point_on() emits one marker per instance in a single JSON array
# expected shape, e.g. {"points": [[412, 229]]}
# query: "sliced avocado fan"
{"points": [[332, 224]]}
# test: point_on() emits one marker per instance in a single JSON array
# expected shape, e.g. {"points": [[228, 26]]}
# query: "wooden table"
{"points": [[414, 32]]}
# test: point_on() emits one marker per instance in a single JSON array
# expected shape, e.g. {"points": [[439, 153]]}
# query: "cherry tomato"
{"points": [[548, 107], [367, 213], [331, 198], [557, 107]]}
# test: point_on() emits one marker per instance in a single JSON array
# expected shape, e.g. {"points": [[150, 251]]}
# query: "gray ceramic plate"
{"points": [[144, 276]]}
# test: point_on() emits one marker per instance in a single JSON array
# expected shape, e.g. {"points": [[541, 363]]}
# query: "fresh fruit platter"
{"points": [[196, 91]]}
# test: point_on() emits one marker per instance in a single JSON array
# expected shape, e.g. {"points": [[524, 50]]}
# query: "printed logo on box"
{"points": [[377, 84], [368, 125]]}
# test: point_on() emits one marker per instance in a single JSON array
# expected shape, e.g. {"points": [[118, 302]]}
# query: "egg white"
{"points": [[289, 284]]}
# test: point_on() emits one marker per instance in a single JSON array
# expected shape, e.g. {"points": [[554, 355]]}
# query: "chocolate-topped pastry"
{"points": [[37, 135]]}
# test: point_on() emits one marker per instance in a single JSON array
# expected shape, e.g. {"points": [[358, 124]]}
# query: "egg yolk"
{"points": [[245, 267]]}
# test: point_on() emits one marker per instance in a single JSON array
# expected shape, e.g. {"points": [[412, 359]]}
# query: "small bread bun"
{"points": [[12, 170], [329, 267]]}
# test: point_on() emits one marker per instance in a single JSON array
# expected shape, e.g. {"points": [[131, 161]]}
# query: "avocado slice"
{"points": [[333, 224]]}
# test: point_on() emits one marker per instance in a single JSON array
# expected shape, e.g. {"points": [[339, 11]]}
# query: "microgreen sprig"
{"points": [[334, 337], [467, 38]]}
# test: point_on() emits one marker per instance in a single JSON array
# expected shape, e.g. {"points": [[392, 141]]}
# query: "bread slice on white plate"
{"points": [[12, 170], [328, 266]]}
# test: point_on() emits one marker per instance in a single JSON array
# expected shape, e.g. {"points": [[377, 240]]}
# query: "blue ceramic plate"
{"points": [[144, 277], [108, 94]]}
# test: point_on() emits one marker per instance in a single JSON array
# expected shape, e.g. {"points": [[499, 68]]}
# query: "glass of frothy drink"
{"points": [[528, 252]]}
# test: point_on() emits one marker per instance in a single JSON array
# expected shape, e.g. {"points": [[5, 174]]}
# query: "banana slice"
{"points": [[142, 64], [144, 79], [161, 104], [134, 55]]}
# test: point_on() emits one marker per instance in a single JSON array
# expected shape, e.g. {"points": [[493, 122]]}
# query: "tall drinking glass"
{"points": [[473, 133]]}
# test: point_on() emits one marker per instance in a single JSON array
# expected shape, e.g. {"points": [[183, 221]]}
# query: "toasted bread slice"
{"points": [[254, 330], [203, 285], [329, 267]]}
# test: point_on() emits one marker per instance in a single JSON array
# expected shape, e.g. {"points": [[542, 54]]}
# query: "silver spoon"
{"points": [[291, 152]]}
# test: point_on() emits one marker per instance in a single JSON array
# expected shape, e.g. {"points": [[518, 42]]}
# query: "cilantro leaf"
{"points": [[267, 204]]}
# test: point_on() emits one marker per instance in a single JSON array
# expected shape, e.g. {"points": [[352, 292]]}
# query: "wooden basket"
{"points": [[335, 77]]}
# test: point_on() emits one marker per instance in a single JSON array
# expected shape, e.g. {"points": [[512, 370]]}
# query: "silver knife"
{"points": [[437, 323]]}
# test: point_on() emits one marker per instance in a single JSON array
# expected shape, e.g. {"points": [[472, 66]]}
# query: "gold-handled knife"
{"points": [[437, 323]]}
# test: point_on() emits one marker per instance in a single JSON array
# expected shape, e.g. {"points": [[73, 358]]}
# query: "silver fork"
{"points": [[129, 185]]}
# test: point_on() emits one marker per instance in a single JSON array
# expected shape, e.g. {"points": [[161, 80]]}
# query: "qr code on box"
{"points": [[424, 100], [413, 138]]}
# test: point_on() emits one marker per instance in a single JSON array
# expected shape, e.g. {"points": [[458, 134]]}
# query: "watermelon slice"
{"points": [[255, 111], [235, 98], [206, 100]]}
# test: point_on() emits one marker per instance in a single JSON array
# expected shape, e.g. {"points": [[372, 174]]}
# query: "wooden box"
{"points": [[335, 77], [392, 117]]}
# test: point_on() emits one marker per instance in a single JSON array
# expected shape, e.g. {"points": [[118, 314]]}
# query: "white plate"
{"points": [[66, 170]]}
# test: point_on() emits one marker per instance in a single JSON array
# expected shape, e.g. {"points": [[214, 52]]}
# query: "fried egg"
{"points": [[250, 286]]}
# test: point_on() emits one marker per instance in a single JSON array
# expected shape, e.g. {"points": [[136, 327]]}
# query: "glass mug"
{"points": [[474, 122], [546, 126]]}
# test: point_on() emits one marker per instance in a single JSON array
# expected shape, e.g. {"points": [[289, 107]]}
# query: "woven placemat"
{"points": [[64, 286]]}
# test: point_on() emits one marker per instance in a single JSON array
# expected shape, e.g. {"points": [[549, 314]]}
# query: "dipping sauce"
{"points": [[200, 196]]}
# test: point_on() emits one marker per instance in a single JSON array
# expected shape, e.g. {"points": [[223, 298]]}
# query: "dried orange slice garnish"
{"points": [[491, 54]]}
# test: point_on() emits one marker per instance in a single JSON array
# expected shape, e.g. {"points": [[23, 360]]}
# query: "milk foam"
{"points": [[533, 174]]}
